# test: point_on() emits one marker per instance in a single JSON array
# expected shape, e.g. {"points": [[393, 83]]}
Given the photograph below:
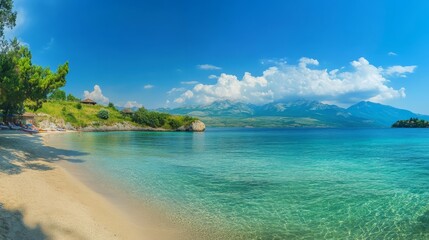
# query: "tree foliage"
{"points": [[103, 114], [72, 98], [112, 106], [156, 119], [7, 16], [21, 82], [174, 123], [411, 123], [58, 95], [38, 82], [12, 96], [149, 118]]}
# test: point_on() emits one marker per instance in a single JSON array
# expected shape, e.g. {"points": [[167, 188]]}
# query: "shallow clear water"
{"points": [[274, 183]]}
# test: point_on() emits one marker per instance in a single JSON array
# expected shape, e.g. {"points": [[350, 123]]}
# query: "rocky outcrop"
{"points": [[196, 126], [50, 124], [55, 125], [123, 126]]}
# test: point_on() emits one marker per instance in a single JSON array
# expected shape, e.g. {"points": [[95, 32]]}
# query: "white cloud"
{"points": [[49, 44], [392, 54], [187, 95], [213, 76], [148, 86], [208, 67], [275, 61], [189, 83], [175, 90], [133, 104], [96, 95], [343, 87], [303, 62], [400, 70]]}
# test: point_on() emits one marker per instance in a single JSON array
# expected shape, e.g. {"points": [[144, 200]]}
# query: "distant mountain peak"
{"points": [[381, 114], [362, 114], [369, 104]]}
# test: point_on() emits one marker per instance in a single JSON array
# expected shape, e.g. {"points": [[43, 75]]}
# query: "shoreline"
{"points": [[42, 196], [48, 126]]}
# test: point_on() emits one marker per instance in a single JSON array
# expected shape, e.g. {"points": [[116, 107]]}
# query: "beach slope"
{"points": [[40, 200]]}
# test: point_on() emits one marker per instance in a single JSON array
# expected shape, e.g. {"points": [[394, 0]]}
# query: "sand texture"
{"points": [[40, 200]]}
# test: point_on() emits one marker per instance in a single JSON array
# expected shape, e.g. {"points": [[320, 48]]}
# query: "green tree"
{"points": [[140, 116], [112, 106], [72, 98], [7, 67], [151, 119], [12, 94], [7, 16], [411, 123], [174, 123], [22, 82], [38, 81], [58, 95]]}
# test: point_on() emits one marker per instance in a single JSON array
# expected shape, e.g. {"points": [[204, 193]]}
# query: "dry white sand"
{"points": [[40, 200]]}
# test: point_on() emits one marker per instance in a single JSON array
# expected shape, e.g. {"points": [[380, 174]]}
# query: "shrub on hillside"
{"points": [[174, 123], [79, 106], [103, 114], [148, 118]]}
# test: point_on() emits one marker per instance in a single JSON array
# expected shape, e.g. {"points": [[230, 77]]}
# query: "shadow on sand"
{"points": [[12, 227], [19, 152]]}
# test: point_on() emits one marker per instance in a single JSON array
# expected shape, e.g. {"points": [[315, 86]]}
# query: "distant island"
{"points": [[411, 123]]}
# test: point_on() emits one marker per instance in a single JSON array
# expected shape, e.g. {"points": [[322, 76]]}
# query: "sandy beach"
{"points": [[39, 199]]}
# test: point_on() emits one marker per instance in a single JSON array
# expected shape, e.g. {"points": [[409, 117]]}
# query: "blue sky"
{"points": [[170, 53]]}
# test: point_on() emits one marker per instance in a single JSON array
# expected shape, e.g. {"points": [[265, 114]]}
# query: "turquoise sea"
{"points": [[273, 183]]}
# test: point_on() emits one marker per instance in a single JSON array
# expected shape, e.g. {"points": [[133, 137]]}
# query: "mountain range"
{"points": [[297, 113]]}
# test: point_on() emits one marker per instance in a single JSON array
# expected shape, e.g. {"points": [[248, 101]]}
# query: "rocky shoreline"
{"points": [[196, 126]]}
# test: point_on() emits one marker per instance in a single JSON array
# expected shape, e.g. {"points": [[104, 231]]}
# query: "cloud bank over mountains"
{"points": [[363, 81]]}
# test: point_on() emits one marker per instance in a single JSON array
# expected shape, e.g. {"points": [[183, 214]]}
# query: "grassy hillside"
{"points": [[82, 115], [86, 116]]}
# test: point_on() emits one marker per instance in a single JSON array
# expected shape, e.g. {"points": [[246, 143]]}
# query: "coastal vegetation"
{"points": [[25, 86], [411, 123], [22, 83], [83, 115], [160, 120]]}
